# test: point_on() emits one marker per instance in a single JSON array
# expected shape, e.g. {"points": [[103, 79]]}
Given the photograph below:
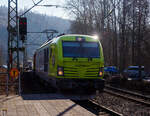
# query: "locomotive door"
{"points": [[52, 64], [46, 57]]}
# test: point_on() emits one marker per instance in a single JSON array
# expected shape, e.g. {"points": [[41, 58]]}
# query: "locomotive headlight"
{"points": [[100, 74], [60, 71], [80, 39]]}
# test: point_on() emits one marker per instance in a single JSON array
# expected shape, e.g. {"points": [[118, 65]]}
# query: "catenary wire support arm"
{"points": [[35, 4]]}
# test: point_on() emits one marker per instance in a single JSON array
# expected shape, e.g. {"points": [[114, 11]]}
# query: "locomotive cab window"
{"points": [[81, 49], [71, 49]]}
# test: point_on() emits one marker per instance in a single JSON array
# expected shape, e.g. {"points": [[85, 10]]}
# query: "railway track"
{"points": [[97, 109], [131, 96]]}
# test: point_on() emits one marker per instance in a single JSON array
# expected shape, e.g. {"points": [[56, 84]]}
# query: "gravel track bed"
{"points": [[2, 97], [1, 104], [123, 106], [132, 96]]}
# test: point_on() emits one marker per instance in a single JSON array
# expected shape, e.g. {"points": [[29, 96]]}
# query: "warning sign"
{"points": [[14, 73]]}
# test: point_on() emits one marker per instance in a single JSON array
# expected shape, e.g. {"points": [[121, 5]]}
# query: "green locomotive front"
{"points": [[71, 62]]}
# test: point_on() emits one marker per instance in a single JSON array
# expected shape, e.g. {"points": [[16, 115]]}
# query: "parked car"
{"points": [[132, 73], [3, 66], [111, 72], [111, 69], [146, 79]]}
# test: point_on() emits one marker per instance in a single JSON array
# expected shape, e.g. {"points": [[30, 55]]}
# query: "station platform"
{"points": [[41, 105]]}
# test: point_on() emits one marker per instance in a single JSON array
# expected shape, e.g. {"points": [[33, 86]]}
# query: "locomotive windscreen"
{"points": [[81, 49]]}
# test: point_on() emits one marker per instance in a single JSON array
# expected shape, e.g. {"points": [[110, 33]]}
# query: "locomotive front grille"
{"points": [[81, 72], [92, 72], [71, 72]]}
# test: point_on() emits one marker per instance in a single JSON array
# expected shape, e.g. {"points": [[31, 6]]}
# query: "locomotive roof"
{"points": [[57, 38]]}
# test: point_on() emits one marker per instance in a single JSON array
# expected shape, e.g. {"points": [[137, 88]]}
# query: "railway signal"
{"points": [[23, 26]]}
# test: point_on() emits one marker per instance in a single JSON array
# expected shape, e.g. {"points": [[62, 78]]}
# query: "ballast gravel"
{"points": [[120, 105]]}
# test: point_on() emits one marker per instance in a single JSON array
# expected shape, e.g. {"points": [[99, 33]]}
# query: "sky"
{"points": [[51, 11]]}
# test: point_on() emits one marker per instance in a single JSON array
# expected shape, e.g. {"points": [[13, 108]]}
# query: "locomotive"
{"points": [[71, 61]]}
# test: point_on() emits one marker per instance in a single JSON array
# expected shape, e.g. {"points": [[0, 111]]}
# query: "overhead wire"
{"points": [[4, 3]]}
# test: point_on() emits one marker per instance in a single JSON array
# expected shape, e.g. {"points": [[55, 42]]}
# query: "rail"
{"points": [[128, 92], [3, 73], [135, 97], [107, 110]]}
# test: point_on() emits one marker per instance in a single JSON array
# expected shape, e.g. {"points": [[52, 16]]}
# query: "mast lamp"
{"points": [[23, 26]]}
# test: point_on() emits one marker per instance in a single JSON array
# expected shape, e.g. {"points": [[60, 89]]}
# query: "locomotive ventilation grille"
{"points": [[80, 72]]}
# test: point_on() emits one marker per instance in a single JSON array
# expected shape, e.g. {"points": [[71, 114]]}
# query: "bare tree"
{"points": [[120, 24]]}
